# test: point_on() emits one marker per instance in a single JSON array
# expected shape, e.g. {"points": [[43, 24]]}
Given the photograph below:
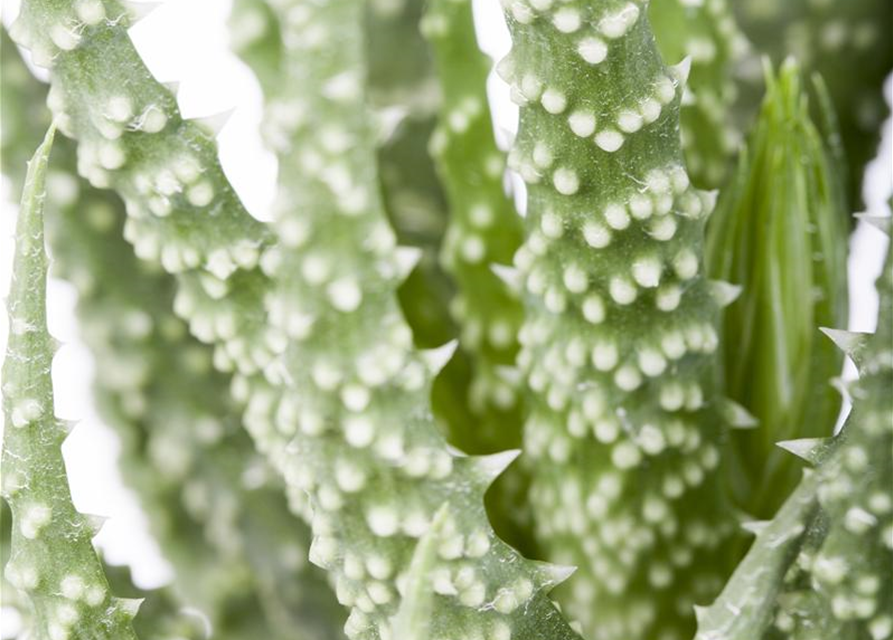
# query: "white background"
{"points": [[187, 41]]}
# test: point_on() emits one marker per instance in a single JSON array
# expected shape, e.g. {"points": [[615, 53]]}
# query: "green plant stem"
{"points": [[215, 508], [478, 391], [838, 584]]}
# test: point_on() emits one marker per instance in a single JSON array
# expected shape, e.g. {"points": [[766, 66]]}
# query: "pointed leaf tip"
{"points": [[413, 618], [173, 86], [682, 70], [756, 527], [407, 259], [95, 522], [558, 573], [701, 614], [878, 222], [129, 606], [736, 416], [725, 293]]}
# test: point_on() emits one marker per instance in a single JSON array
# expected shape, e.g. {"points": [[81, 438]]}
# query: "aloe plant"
{"points": [[183, 453], [51, 553], [402, 90], [777, 234], [374, 464], [626, 422], [483, 228], [823, 565], [601, 344], [161, 614]]}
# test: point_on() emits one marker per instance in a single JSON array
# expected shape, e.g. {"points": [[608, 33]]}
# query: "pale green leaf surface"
{"points": [[52, 558]]}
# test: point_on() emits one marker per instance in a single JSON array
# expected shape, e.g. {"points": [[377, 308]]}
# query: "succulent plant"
{"points": [[371, 458], [344, 386], [822, 566], [216, 510], [707, 33], [618, 346]]}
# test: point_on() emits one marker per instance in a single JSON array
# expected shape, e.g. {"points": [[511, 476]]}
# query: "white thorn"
{"points": [[558, 573], [710, 198], [407, 259], [139, 10], [492, 466], [701, 614], [437, 359], [95, 522], [215, 123], [850, 342], [737, 417], [509, 275], [755, 527], [681, 70], [388, 121], [725, 293], [878, 222], [129, 606], [807, 449], [173, 86]]}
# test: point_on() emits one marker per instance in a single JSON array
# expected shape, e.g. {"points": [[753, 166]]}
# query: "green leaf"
{"points": [[52, 559], [707, 34], [846, 43], [779, 233], [364, 446], [618, 346], [237, 555], [822, 567]]}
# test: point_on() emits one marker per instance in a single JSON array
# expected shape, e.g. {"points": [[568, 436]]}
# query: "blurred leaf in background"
{"points": [[847, 42]]}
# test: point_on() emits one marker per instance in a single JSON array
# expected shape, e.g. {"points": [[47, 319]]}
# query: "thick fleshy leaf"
{"points": [[52, 559], [619, 341]]}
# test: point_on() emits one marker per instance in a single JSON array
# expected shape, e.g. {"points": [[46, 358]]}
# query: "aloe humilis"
{"points": [[588, 324]]}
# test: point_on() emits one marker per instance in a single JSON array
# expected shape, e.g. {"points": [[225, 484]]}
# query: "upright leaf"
{"points": [[707, 33], [52, 558], [618, 347], [779, 233], [838, 584], [847, 43], [364, 446]]}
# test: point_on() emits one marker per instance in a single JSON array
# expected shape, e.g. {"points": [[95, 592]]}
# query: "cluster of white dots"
{"points": [[582, 372], [63, 34], [351, 383], [608, 134]]}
